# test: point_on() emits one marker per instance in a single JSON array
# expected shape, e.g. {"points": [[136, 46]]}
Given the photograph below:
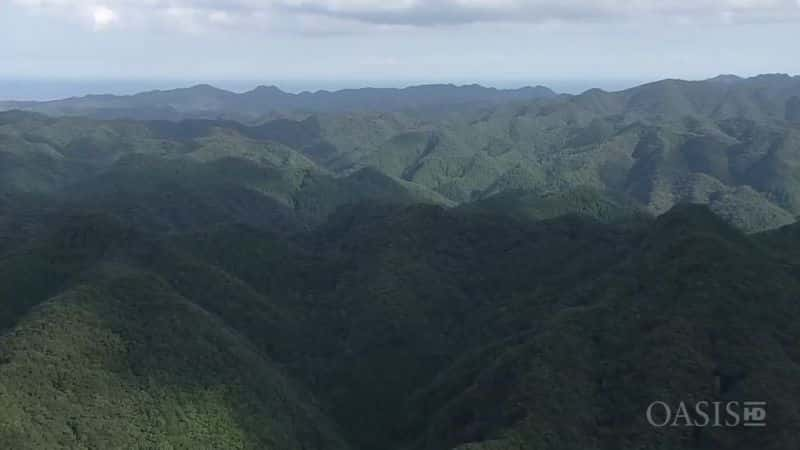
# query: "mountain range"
{"points": [[435, 268], [205, 101], [728, 142]]}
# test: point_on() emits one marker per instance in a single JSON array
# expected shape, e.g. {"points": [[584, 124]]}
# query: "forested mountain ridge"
{"points": [[166, 176], [727, 142], [205, 101], [774, 96], [514, 275], [414, 327]]}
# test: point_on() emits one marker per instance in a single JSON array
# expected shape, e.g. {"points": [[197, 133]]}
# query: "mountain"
{"points": [[166, 176], [95, 353], [586, 202], [724, 97], [683, 317], [657, 145], [520, 275], [723, 142], [397, 327], [205, 101]]}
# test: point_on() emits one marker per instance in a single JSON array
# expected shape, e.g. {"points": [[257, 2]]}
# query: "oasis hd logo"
{"points": [[708, 414]]}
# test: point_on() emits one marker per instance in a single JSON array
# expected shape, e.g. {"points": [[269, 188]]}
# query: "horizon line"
{"points": [[385, 84]]}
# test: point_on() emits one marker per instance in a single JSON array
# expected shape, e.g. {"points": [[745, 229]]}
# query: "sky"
{"points": [[312, 44]]}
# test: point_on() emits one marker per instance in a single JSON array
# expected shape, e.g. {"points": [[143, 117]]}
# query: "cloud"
{"points": [[103, 16], [349, 15], [436, 12]]}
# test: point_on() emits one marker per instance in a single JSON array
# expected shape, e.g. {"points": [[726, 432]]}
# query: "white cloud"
{"points": [[428, 12], [103, 16], [350, 15]]}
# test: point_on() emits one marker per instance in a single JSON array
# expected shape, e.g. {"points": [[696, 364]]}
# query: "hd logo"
{"points": [[708, 414]]}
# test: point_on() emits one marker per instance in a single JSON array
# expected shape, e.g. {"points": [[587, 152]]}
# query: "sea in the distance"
{"points": [[52, 89]]}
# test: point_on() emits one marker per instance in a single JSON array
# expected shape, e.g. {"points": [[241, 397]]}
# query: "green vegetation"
{"points": [[727, 142], [408, 326], [517, 276]]}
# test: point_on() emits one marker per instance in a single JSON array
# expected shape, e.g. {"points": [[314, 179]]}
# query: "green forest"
{"points": [[436, 268]]}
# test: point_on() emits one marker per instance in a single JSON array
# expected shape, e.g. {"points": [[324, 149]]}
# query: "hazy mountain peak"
{"points": [[207, 101], [594, 91], [726, 79], [204, 87], [264, 89]]}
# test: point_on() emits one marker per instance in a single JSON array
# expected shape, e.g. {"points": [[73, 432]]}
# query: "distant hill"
{"points": [[724, 97], [204, 101], [165, 175], [728, 142]]}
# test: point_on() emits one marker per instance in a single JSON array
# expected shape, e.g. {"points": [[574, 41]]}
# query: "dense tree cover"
{"points": [[408, 327], [526, 276], [726, 142]]}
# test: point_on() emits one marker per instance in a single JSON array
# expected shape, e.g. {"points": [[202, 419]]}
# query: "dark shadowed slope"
{"points": [[414, 327], [97, 351]]}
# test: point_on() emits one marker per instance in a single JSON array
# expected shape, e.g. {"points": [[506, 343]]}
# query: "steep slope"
{"points": [[661, 144], [131, 364], [535, 206], [98, 352], [175, 175], [415, 327], [392, 295], [686, 319], [436, 329]]}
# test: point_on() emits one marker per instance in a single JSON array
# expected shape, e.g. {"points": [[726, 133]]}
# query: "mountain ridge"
{"points": [[204, 100], [402, 281]]}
